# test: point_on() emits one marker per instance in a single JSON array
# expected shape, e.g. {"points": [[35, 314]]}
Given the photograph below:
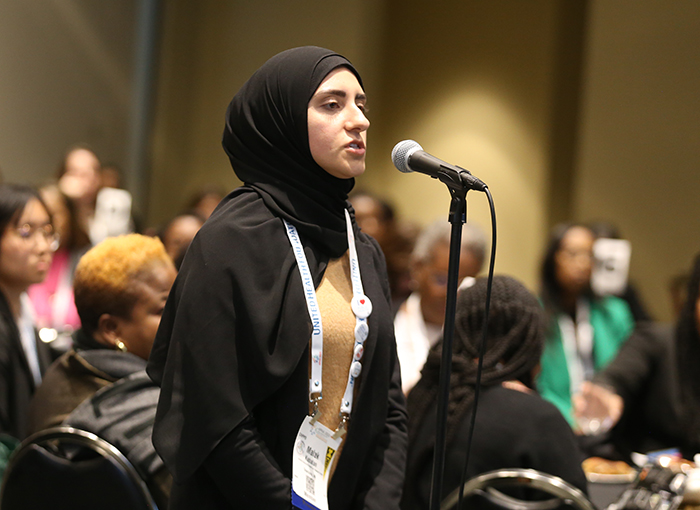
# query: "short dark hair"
{"points": [[13, 200]]}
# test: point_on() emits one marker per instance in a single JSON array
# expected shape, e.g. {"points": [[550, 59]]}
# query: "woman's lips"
{"points": [[356, 148]]}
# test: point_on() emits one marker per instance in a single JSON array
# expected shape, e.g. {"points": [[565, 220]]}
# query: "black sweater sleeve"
{"points": [[245, 473]]}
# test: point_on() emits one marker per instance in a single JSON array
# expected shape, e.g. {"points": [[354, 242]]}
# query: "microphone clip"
{"points": [[459, 181]]}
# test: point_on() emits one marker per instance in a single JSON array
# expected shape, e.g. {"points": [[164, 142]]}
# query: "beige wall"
{"points": [[639, 151], [66, 71], [474, 86]]}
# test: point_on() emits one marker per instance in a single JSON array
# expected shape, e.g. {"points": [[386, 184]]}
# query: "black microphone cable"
{"points": [[482, 350], [455, 176]]}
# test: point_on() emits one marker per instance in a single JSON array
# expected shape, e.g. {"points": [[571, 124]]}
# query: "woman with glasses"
{"points": [[27, 244], [584, 332], [54, 307]]}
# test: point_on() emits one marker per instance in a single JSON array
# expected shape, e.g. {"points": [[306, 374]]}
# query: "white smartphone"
{"points": [[112, 215], [611, 266]]}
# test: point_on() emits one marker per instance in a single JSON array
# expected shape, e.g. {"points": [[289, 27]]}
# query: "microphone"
{"points": [[408, 156]]}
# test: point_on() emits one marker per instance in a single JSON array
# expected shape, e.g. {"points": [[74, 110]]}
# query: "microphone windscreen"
{"points": [[401, 152]]}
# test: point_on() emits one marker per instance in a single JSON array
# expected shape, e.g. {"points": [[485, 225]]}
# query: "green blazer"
{"points": [[612, 323]]}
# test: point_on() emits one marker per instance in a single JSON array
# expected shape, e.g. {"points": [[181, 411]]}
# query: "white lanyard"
{"points": [[577, 339], [361, 307]]}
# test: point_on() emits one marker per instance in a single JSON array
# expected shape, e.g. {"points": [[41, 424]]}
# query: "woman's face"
{"points": [[574, 260], [25, 248], [139, 329], [81, 180], [338, 126]]}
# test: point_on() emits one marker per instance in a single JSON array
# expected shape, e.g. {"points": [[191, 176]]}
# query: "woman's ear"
{"points": [[107, 332]]}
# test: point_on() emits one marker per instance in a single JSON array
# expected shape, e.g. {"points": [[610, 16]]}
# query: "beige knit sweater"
{"points": [[333, 296]]}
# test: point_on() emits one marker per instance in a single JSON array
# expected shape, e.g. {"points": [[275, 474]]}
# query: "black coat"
{"points": [[513, 430], [645, 375], [231, 356], [16, 380]]}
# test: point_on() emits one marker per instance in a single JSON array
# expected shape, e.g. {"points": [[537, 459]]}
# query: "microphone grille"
{"points": [[401, 152]]}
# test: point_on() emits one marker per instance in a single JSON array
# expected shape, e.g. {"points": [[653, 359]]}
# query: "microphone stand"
{"points": [[458, 215]]}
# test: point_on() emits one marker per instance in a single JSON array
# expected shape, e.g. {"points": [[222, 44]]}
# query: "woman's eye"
{"points": [[332, 105]]}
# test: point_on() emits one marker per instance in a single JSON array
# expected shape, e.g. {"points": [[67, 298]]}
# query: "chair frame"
{"points": [[69, 435], [484, 484]]}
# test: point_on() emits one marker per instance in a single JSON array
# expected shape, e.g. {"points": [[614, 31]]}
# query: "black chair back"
{"points": [[65, 467], [525, 489]]}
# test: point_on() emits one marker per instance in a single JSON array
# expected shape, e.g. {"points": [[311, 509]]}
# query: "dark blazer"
{"points": [[16, 381], [644, 374]]}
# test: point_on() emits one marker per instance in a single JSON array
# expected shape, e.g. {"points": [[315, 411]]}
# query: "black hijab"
{"points": [[267, 140], [233, 339]]}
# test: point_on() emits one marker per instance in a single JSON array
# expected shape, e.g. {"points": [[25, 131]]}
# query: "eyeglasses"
{"points": [[582, 255], [29, 232]]}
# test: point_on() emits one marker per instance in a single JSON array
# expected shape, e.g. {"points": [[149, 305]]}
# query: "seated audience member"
{"points": [[80, 179], [54, 306], [112, 176], [178, 234], [27, 244], [677, 287], [204, 201], [584, 332], [121, 286], [376, 218], [652, 386], [418, 323], [515, 427]]}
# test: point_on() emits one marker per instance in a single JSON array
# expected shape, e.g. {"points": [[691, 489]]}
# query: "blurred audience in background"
{"points": [[54, 306], [678, 291], [27, 243], [376, 218], [650, 393], [419, 321], [584, 331], [204, 201], [112, 177], [178, 234], [514, 428], [100, 211], [80, 179], [121, 286]]}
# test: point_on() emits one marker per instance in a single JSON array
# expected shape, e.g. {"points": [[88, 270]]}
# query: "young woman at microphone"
{"points": [[278, 332]]}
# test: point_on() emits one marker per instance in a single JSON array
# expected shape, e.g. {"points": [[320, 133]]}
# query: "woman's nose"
{"points": [[357, 119]]}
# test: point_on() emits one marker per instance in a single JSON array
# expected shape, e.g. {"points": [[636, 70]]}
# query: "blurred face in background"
{"points": [[179, 234], [431, 280], [574, 261], [81, 180], [370, 218], [27, 247]]}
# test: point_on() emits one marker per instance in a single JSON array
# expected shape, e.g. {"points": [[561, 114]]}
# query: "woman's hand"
{"points": [[597, 409]]}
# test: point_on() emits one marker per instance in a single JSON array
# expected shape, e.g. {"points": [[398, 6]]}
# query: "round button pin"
{"points": [[361, 331], [355, 369], [359, 351], [361, 306]]}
